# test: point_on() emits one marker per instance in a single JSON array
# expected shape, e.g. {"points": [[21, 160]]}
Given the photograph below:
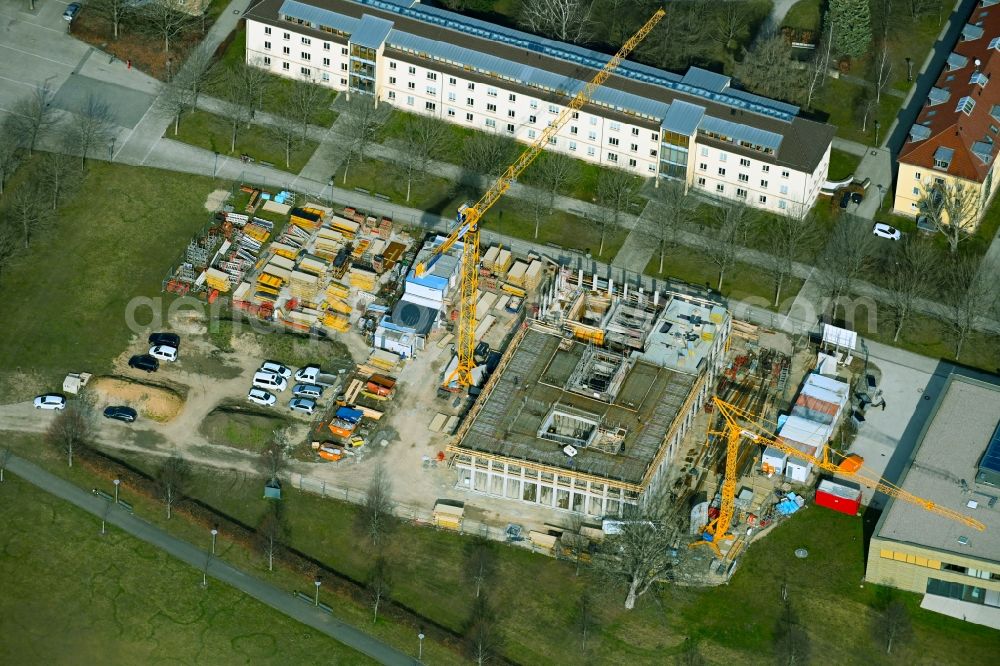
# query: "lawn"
{"points": [[842, 164], [838, 104], [277, 89], [241, 428], [212, 132], [67, 297], [804, 15], [119, 600]]}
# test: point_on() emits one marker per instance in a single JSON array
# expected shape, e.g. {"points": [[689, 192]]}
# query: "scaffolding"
{"points": [[599, 374]]}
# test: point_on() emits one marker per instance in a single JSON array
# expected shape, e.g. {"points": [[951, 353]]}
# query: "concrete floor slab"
{"points": [[127, 105]]}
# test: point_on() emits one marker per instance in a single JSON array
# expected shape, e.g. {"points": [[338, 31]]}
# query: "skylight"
{"points": [[966, 105]]}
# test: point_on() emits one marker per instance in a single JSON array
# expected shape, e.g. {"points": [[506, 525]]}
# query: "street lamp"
{"points": [[215, 532], [877, 125], [879, 186], [117, 483], [215, 167], [317, 583], [111, 149], [909, 70], [420, 648]]}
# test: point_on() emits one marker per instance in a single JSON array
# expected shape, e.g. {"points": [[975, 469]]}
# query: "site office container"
{"points": [[839, 497]]}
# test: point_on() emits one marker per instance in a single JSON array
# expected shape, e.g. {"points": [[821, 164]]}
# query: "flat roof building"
{"points": [[696, 127], [956, 566]]}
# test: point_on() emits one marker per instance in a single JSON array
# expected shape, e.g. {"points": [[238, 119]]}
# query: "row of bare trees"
{"points": [[160, 19]]}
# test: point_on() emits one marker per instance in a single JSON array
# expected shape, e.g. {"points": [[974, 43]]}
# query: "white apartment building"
{"points": [[721, 141]]}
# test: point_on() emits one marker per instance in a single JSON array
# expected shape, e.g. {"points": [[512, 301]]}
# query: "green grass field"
{"points": [[116, 600], [803, 15], [212, 132], [842, 164]]}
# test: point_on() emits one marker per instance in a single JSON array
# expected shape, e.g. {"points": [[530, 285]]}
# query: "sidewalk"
{"points": [[274, 597]]}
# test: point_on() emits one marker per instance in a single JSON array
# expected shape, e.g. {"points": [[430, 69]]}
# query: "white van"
{"points": [[269, 380]]}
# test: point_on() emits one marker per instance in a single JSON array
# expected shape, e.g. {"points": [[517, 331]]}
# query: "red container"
{"points": [[839, 497]]}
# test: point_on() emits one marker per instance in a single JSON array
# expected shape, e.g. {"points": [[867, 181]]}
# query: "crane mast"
{"points": [[467, 229]]}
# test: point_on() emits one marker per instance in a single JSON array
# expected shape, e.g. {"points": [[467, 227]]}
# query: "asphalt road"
{"points": [[274, 597]]}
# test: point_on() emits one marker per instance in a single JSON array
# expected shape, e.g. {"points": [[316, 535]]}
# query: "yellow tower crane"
{"points": [[739, 424], [467, 229]]}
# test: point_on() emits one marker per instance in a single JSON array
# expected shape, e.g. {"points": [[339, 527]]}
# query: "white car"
{"points": [[303, 405], [276, 368], [269, 380], [50, 401], [261, 397], [885, 231], [163, 352]]}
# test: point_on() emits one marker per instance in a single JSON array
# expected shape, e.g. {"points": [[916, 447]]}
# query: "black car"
{"points": [[72, 10], [168, 339], [857, 197], [845, 199], [121, 413], [144, 362]]}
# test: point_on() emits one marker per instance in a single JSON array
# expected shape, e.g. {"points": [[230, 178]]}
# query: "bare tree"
{"points": [[92, 126], [303, 101], [969, 293], [115, 12], [791, 642], [920, 8], [819, 67], [71, 431], [375, 518], [32, 117], [171, 481], [10, 157], [849, 252], [550, 174], [639, 554], [672, 213], [691, 656], [271, 533], [360, 122], [891, 626], [952, 209], [789, 237], [486, 153], [25, 210], [865, 109], [617, 190], [735, 220], [421, 143], [9, 240], [768, 69], [882, 69], [729, 25], [286, 130], [565, 20], [163, 19], [585, 619], [58, 175], [197, 74], [378, 585], [272, 460], [480, 563], [911, 272], [237, 100], [175, 99], [482, 638], [4, 460]]}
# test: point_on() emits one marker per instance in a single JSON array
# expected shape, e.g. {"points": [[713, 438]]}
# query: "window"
{"points": [[491, 92], [701, 182], [286, 36], [326, 46], [491, 123], [472, 86], [766, 168], [392, 80], [267, 60], [432, 76], [634, 147], [326, 62], [635, 131], [267, 46], [652, 152], [784, 173], [763, 184], [720, 188], [593, 120], [631, 162], [392, 63], [740, 192], [654, 136], [916, 191], [553, 108], [723, 157], [534, 104], [510, 113], [468, 117], [615, 126], [782, 204], [451, 113], [267, 30], [287, 50], [409, 100], [343, 82], [451, 80], [762, 199], [531, 134], [512, 97], [722, 171], [966, 105], [553, 141], [432, 91], [492, 108], [704, 152], [916, 175], [412, 70], [744, 178], [590, 151], [306, 41], [392, 94], [702, 166], [510, 127], [326, 76], [613, 157], [572, 145], [744, 162], [592, 136], [306, 56], [783, 189], [411, 85], [612, 140], [305, 71], [532, 119], [994, 129], [430, 106], [469, 101], [451, 97], [939, 181]]}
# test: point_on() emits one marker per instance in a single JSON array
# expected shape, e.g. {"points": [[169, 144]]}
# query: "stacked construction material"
{"points": [[348, 228], [285, 250], [386, 361], [218, 280], [502, 262], [515, 275], [483, 305], [533, 276], [258, 232], [335, 323], [328, 242], [489, 259], [237, 219], [309, 219], [336, 290], [303, 285], [309, 263], [340, 264], [363, 279], [484, 325], [360, 248], [383, 229]]}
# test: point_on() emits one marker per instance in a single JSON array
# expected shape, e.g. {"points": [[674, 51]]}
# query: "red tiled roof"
{"points": [[948, 126]]}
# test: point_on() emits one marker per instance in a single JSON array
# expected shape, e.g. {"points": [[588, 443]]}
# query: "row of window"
{"points": [[741, 193], [909, 558], [744, 162], [743, 178]]}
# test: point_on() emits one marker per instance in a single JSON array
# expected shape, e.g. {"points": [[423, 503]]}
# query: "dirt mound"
{"points": [[156, 402], [215, 200]]}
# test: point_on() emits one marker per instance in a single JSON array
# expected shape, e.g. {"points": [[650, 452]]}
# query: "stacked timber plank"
{"points": [[533, 276], [515, 275], [328, 242], [303, 285], [484, 304], [337, 291], [503, 261], [218, 280], [348, 228], [309, 219], [335, 322], [484, 326], [489, 259], [385, 361], [363, 279], [313, 265]]}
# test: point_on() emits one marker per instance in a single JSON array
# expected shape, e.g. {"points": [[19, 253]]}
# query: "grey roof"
{"points": [[943, 154], [956, 61], [983, 150], [318, 16], [683, 118], [938, 96], [919, 132], [947, 454], [971, 32], [371, 32], [705, 79], [740, 132], [995, 110]]}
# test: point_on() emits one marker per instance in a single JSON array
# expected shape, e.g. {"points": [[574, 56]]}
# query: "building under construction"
{"points": [[588, 407]]}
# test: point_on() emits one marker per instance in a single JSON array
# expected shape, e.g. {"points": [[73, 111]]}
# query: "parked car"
{"points": [[311, 374], [857, 197], [121, 413], [72, 10], [163, 352], [845, 199], [304, 405], [144, 362], [269, 380], [885, 231], [168, 339], [50, 401], [276, 368], [307, 391], [261, 397]]}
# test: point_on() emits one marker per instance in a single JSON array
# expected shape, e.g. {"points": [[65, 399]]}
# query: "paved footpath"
{"points": [[274, 597]]}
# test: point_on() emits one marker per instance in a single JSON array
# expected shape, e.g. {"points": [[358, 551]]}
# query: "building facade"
{"points": [[697, 128], [952, 141]]}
